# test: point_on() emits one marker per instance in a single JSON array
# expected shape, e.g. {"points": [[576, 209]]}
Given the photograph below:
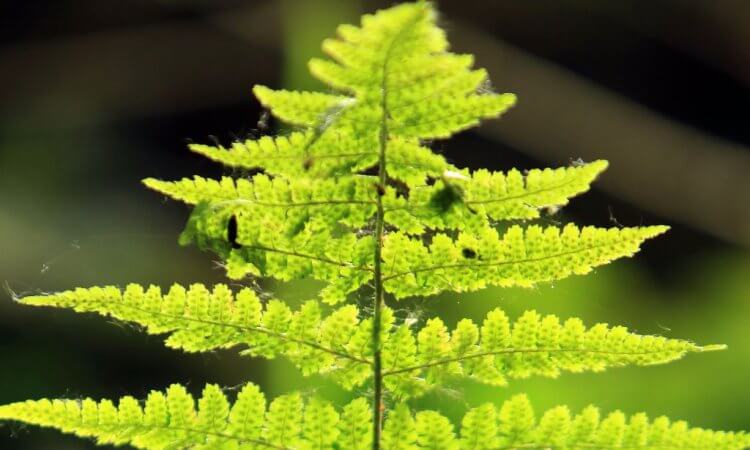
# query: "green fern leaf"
{"points": [[355, 425], [514, 426], [306, 109], [521, 257], [166, 420], [343, 262], [169, 420], [291, 223], [400, 350], [318, 155], [532, 346], [320, 426], [479, 429], [398, 80], [435, 431], [308, 153], [398, 74], [414, 164], [400, 430], [399, 54], [284, 206], [516, 421], [265, 208], [557, 430], [246, 417], [469, 201], [284, 421], [351, 374], [199, 320]]}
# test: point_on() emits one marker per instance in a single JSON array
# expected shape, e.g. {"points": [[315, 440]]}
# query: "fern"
{"points": [[351, 201], [532, 346], [170, 420], [167, 420], [521, 257], [353, 197], [201, 320]]}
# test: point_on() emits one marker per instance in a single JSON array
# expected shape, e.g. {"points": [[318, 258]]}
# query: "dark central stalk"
{"points": [[379, 300], [376, 335]]}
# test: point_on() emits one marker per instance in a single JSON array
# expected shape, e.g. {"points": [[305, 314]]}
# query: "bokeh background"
{"points": [[96, 95]]}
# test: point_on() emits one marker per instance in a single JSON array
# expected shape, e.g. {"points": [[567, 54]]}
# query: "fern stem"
{"points": [[378, 301], [377, 414], [376, 332]]}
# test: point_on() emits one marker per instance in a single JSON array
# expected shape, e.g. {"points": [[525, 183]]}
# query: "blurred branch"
{"points": [[660, 165]]}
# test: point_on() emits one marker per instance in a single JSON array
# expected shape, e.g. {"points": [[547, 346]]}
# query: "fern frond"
{"points": [[308, 153], [343, 261], [397, 67], [199, 320], [514, 426], [469, 201], [479, 428], [288, 230], [336, 152], [534, 345], [354, 426], [278, 206], [169, 420], [306, 109], [521, 257], [400, 430], [284, 421], [435, 431], [285, 206], [412, 163], [398, 76]]}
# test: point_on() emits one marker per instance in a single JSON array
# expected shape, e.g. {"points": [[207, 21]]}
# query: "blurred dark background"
{"points": [[96, 95]]}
